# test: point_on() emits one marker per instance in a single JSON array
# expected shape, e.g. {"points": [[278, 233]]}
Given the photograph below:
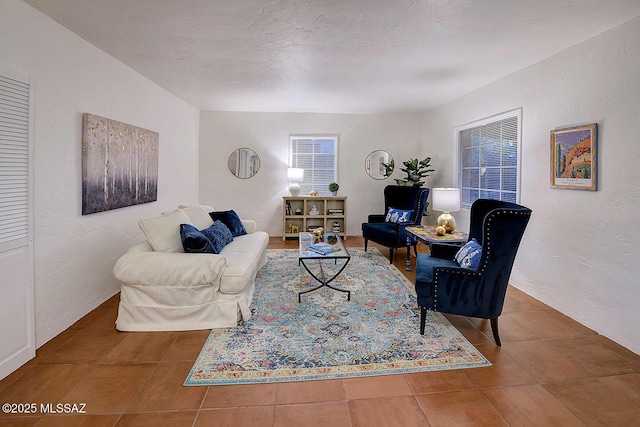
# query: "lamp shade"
{"points": [[295, 174], [446, 199]]}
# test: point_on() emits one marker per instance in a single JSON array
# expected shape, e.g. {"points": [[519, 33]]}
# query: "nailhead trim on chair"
{"points": [[400, 242], [484, 266], [420, 203]]}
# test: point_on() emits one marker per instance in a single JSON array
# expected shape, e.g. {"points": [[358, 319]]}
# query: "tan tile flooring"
{"points": [[550, 371]]}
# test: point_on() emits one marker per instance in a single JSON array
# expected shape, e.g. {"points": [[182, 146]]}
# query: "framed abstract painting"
{"points": [[573, 157], [119, 165]]}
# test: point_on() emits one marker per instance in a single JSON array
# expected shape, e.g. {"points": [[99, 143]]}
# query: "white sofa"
{"points": [[165, 289]]}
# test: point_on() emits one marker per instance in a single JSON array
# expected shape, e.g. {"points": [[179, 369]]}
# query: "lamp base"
{"points": [[294, 189], [447, 221]]}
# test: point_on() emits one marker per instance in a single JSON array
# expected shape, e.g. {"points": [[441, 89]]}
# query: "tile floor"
{"points": [[550, 371]]}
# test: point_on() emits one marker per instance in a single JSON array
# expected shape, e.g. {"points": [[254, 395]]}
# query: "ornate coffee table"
{"points": [[308, 258], [427, 234]]}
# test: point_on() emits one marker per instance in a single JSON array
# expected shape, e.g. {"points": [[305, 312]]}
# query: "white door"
{"points": [[17, 328]]}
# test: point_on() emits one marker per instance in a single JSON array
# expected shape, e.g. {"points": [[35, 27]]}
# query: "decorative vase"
{"points": [[294, 189]]}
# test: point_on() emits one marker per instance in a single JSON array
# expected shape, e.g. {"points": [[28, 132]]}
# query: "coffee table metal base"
{"points": [[322, 278]]}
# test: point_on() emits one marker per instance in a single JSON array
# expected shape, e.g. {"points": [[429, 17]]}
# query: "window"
{"points": [[488, 158], [318, 156]]}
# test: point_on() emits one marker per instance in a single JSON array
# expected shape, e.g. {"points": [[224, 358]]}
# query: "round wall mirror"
{"points": [[244, 163], [379, 164]]}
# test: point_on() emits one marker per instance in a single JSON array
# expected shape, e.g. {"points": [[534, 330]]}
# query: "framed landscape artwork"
{"points": [[119, 165], [573, 157]]}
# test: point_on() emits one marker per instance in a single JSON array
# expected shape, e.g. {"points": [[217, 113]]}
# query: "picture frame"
{"points": [[574, 157], [119, 164]]}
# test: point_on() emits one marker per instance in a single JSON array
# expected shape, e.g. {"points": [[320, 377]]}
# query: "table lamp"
{"points": [[446, 200], [295, 176]]}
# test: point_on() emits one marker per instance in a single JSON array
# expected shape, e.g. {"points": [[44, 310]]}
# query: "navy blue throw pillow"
{"points": [[398, 215], [193, 241], [469, 255], [219, 236], [231, 220]]}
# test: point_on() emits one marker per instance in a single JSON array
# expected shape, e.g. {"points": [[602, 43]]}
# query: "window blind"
{"points": [[318, 157], [14, 160], [488, 156]]}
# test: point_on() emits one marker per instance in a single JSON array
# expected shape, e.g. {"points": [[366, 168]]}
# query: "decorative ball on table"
{"points": [[447, 221], [440, 230]]}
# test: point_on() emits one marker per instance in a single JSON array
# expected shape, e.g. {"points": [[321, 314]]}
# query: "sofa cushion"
{"points": [[244, 256], [425, 265], [171, 270], [193, 241], [249, 225], [198, 215], [219, 236], [231, 220], [163, 232]]}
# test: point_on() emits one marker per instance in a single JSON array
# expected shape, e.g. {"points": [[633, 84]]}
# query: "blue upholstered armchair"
{"points": [[443, 285], [392, 234]]}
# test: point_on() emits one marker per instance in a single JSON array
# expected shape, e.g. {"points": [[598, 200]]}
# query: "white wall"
{"points": [[579, 253], [74, 254], [260, 197]]}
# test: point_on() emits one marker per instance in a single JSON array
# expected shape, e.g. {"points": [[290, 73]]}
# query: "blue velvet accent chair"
{"points": [[443, 285], [390, 234]]}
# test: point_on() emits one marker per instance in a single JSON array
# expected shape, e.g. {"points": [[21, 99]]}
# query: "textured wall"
{"points": [[268, 134], [74, 255], [579, 253]]}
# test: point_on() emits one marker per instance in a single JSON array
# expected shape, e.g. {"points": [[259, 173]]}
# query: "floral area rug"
{"points": [[325, 336]]}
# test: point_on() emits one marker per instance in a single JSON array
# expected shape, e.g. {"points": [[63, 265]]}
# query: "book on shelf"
{"points": [[323, 248], [335, 212]]}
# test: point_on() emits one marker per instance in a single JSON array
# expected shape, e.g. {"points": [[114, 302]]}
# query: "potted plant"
{"points": [[333, 187], [416, 171]]}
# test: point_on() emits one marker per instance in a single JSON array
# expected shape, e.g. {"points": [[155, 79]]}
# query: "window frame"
{"points": [[308, 185], [458, 157]]}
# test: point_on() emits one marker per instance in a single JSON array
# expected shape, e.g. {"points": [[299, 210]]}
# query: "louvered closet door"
{"points": [[17, 344]]}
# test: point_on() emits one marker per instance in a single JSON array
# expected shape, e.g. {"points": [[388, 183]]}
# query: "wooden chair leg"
{"points": [[365, 244], [415, 249], [390, 255], [423, 318], [494, 329]]}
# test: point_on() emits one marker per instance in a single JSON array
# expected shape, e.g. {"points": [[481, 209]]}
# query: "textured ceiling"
{"points": [[348, 56]]}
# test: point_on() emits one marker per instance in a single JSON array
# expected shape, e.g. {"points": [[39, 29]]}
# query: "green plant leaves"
{"points": [[416, 171]]}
